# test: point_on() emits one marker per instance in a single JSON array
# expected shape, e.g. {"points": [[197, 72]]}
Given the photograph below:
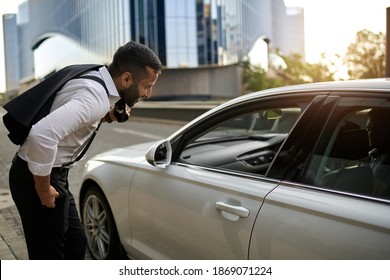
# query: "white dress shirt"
{"points": [[76, 111]]}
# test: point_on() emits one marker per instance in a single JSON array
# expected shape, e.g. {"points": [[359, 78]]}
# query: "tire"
{"points": [[99, 225]]}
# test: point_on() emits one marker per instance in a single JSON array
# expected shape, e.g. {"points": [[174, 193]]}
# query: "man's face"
{"points": [[141, 89], [131, 94]]}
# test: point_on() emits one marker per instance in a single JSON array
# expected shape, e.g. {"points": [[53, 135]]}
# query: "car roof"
{"points": [[378, 84], [369, 84]]}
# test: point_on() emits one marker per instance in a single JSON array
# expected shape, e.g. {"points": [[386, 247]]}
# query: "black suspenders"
{"points": [[85, 146]]}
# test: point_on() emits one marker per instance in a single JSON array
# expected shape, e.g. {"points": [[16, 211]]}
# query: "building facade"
{"points": [[193, 34], [11, 58]]}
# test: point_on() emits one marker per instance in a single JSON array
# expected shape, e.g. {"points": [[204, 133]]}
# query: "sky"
{"points": [[330, 25]]}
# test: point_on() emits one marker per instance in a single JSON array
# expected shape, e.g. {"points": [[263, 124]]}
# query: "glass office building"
{"points": [[184, 33], [11, 57]]}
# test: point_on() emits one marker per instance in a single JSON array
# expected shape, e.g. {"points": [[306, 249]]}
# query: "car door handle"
{"points": [[233, 209]]}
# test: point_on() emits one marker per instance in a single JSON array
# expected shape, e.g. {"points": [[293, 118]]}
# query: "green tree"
{"points": [[321, 71], [255, 78], [297, 71], [365, 57]]}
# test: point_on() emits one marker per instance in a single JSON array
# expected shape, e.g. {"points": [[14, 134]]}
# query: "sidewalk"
{"points": [[12, 245]]}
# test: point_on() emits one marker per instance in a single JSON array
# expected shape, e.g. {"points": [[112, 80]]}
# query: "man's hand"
{"points": [[121, 111], [46, 192], [110, 116]]}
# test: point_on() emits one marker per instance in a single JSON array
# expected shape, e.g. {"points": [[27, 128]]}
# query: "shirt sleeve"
{"points": [[84, 109]]}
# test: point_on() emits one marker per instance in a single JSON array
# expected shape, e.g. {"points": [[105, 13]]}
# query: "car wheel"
{"points": [[102, 236]]}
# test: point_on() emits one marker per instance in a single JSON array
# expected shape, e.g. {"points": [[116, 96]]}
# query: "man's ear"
{"points": [[126, 79]]}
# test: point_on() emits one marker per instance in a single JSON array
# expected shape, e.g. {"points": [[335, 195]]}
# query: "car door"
{"points": [[326, 206], [204, 204]]}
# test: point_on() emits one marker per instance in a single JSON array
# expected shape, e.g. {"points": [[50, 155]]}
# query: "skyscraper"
{"points": [[11, 52]]}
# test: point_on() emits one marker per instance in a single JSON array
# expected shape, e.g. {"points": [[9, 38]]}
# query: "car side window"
{"points": [[246, 142], [353, 154]]}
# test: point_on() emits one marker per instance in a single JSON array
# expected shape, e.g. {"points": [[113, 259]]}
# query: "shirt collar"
{"points": [[108, 81]]}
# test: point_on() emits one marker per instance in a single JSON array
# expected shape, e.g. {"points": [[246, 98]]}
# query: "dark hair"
{"points": [[134, 58]]}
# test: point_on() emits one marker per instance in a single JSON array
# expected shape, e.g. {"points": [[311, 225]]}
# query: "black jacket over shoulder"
{"points": [[28, 108]]}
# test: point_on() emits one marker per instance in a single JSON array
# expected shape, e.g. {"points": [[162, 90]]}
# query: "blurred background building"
{"points": [[200, 42]]}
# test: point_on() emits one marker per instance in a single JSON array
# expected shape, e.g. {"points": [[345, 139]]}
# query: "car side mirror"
{"points": [[160, 154], [272, 114]]}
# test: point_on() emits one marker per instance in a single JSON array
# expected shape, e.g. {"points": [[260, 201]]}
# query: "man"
{"points": [[378, 128], [39, 183]]}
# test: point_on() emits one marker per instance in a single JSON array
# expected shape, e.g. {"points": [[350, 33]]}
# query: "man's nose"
{"points": [[147, 93]]}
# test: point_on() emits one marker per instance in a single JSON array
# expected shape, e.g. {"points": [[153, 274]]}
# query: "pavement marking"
{"points": [[138, 133]]}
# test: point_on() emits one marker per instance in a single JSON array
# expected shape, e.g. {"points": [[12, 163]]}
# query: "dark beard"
{"points": [[130, 95]]}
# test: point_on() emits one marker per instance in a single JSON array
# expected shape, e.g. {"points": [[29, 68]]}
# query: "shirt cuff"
{"points": [[39, 169]]}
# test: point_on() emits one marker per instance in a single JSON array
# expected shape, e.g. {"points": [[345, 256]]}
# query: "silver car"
{"points": [[286, 173]]}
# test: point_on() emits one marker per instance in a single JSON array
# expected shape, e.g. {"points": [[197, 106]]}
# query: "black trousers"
{"points": [[51, 234]]}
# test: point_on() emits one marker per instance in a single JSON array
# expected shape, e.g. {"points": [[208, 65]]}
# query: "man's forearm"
{"points": [[47, 194]]}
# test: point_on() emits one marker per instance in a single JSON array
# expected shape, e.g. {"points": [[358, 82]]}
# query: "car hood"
{"points": [[124, 155]]}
